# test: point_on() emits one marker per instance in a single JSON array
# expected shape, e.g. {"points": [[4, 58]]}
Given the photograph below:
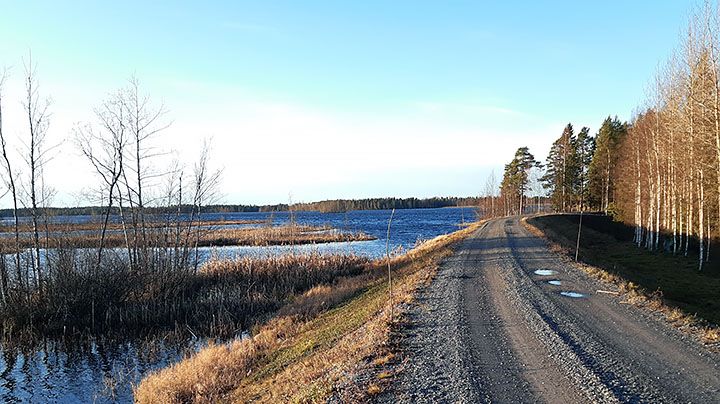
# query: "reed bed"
{"points": [[212, 237], [97, 225], [280, 235], [333, 341], [220, 299]]}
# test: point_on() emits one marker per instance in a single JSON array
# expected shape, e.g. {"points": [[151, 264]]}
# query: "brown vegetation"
{"points": [[305, 353], [157, 235], [70, 227], [219, 300], [279, 235]]}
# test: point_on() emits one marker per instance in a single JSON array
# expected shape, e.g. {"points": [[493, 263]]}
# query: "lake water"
{"points": [[407, 228], [85, 372], [105, 371]]}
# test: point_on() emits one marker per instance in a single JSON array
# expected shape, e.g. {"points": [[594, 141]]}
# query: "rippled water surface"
{"points": [[407, 228], [93, 371]]}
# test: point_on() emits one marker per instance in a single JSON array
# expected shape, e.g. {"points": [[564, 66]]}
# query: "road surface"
{"points": [[489, 329]]}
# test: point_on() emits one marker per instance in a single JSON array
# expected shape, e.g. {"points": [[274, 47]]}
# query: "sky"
{"points": [[313, 100]]}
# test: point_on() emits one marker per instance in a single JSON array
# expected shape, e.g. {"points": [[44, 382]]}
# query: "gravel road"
{"points": [[489, 329]]}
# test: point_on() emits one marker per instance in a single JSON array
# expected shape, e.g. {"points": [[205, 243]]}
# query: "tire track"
{"points": [[488, 330]]}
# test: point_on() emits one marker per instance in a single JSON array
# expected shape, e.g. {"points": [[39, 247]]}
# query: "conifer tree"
{"points": [[601, 174], [516, 180], [558, 178]]}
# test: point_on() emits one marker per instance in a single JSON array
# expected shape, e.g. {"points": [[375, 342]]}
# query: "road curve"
{"points": [[489, 329]]}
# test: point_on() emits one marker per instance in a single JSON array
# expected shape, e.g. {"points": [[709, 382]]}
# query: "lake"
{"points": [[104, 371], [408, 227]]}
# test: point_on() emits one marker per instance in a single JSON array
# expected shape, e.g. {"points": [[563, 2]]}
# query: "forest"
{"points": [[333, 205], [660, 172]]}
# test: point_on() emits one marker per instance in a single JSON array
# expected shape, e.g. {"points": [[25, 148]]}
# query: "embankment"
{"points": [[332, 341]]}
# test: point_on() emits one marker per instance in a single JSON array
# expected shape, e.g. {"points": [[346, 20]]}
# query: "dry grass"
{"points": [[315, 348], [711, 335], [222, 297], [161, 235], [373, 390], [631, 293], [97, 225], [279, 235]]}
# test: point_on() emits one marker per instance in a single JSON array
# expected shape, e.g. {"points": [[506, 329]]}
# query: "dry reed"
{"points": [[316, 346]]}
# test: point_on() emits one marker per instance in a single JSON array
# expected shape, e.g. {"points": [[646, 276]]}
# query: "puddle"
{"points": [[545, 272], [555, 282], [572, 294]]}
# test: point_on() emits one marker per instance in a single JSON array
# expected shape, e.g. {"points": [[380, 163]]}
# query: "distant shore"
{"points": [[326, 206], [289, 234]]}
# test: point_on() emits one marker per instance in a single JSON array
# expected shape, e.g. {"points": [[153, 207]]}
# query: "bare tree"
{"points": [[11, 186], [144, 122], [38, 121], [205, 188], [491, 187], [105, 151]]}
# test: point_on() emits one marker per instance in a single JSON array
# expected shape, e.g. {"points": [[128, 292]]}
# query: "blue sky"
{"points": [[342, 99]]}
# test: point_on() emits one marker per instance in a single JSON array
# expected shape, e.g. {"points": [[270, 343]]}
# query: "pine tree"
{"points": [[601, 186], [516, 180], [558, 178], [583, 151]]}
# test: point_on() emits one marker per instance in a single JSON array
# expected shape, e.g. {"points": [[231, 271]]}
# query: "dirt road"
{"points": [[491, 329]]}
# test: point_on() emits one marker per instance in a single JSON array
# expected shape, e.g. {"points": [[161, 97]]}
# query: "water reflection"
{"points": [[105, 371], [88, 371], [575, 295]]}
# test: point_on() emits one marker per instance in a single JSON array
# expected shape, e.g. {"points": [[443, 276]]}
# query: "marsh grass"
{"points": [[331, 341], [280, 235], [221, 299], [96, 225], [209, 236]]}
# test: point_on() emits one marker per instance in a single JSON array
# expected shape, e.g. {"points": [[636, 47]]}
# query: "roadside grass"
{"points": [[332, 341], [661, 282]]}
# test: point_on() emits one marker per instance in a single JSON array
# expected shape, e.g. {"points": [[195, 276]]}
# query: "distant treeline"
{"points": [[336, 205], [100, 210], [344, 205]]}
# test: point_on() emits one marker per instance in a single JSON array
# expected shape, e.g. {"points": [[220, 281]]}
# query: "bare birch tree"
{"points": [[36, 109]]}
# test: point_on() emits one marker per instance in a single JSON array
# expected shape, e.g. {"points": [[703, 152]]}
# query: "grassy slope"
{"points": [[340, 352], [609, 245]]}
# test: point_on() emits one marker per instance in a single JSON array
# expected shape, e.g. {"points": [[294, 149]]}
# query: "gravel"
{"points": [[488, 329]]}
